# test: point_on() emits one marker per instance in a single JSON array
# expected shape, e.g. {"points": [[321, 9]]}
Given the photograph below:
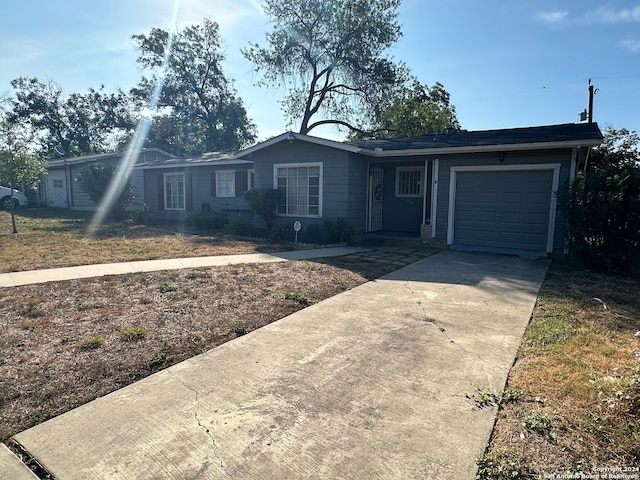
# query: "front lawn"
{"points": [[53, 237], [572, 403]]}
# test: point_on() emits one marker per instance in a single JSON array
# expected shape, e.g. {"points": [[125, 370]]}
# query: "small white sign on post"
{"points": [[297, 226]]}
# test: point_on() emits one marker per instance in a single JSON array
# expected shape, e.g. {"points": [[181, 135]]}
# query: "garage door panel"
{"points": [[508, 209]]}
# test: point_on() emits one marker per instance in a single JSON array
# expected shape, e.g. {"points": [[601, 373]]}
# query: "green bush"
{"points": [[210, 221], [95, 178], [242, 229], [602, 207], [331, 230], [264, 201], [282, 231]]}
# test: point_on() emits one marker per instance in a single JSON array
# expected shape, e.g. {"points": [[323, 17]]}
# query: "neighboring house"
{"points": [[60, 187], [483, 190]]}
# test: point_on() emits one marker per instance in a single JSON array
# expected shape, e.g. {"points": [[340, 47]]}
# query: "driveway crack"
{"points": [[442, 330], [216, 452]]}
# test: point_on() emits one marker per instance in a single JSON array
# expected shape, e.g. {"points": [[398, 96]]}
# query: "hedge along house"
{"points": [[178, 188], [491, 190]]}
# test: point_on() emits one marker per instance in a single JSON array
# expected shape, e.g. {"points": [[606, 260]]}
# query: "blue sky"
{"points": [[506, 63]]}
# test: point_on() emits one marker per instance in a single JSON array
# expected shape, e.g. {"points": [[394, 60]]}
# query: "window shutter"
{"points": [[188, 192], [242, 183], [160, 192], [213, 184]]}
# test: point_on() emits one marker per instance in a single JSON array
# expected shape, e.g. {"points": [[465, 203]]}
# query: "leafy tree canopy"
{"points": [[199, 110], [414, 109], [620, 147], [77, 124], [18, 165], [94, 179], [331, 55]]}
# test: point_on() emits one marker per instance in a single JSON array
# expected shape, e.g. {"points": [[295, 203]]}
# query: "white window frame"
{"points": [[184, 191], [225, 192], [320, 182], [251, 178], [399, 171]]}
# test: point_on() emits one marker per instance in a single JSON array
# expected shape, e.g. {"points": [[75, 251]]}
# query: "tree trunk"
{"points": [[13, 213]]}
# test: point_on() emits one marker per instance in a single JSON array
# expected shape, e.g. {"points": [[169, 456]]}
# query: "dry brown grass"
{"points": [[93, 336], [577, 368], [50, 238]]}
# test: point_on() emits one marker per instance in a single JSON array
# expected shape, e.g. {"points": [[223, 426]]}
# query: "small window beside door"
{"points": [[409, 182]]}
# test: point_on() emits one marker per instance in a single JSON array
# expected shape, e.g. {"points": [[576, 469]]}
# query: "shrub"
{"points": [[242, 229], [94, 179], [282, 231], [602, 207], [211, 220], [338, 230], [331, 230], [264, 202]]}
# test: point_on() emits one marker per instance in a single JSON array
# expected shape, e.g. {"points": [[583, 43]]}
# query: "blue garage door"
{"points": [[506, 209]]}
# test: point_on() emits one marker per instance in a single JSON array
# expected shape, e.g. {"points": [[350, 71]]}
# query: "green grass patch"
{"points": [[301, 298], [133, 333], [92, 343], [166, 287]]}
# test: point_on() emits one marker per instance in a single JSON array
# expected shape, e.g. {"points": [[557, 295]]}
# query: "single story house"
{"points": [[60, 186], [492, 190]]}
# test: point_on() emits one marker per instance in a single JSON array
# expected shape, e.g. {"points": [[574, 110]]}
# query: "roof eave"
{"points": [[482, 148], [299, 137], [209, 163]]}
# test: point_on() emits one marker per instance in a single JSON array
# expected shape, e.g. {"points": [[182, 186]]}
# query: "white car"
{"points": [[19, 198]]}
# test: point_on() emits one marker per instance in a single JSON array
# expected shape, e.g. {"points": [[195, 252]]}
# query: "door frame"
{"points": [[555, 167], [371, 198]]}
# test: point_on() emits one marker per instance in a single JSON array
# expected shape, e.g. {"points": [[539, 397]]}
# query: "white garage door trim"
{"points": [[555, 167]]}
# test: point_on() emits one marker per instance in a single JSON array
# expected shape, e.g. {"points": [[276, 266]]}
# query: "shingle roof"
{"points": [[570, 132]]}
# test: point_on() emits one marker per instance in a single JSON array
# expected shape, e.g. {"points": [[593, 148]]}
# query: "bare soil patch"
{"points": [[66, 343]]}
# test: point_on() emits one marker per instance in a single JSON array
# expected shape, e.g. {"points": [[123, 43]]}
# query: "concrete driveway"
{"points": [[369, 384]]}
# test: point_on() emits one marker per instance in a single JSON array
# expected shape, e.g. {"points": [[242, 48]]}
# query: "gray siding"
{"points": [[563, 157], [199, 191], [344, 178]]}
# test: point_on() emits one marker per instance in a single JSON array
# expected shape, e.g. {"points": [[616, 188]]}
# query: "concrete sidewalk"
{"points": [[87, 271], [368, 384]]}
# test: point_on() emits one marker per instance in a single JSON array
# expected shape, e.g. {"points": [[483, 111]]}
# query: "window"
{"points": [[174, 191], [57, 183], [299, 185], [226, 183], [251, 179], [408, 182]]}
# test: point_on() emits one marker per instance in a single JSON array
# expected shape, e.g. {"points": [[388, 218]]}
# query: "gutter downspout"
{"points": [[423, 227]]}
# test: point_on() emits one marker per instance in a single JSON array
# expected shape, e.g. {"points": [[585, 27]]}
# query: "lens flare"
{"points": [[130, 158]]}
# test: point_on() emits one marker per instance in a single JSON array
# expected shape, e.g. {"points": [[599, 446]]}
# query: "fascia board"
{"points": [[481, 148]]}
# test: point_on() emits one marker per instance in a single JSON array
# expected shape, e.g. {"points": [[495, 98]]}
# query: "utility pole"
{"points": [[592, 92]]}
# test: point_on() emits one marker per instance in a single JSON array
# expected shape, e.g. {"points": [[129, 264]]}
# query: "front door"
{"points": [[375, 198]]}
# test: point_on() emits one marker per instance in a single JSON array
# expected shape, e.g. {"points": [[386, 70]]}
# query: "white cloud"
{"points": [[553, 17], [631, 45], [611, 15]]}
